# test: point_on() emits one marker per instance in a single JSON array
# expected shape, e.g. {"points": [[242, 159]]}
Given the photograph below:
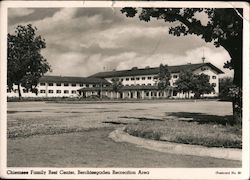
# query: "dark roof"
{"points": [[136, 87], [155, 70], [70, 79]]}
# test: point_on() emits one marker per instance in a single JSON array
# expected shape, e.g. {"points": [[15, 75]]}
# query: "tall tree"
{"points": [[116, 84], [25, 64], [224, 28], [185, 82], [164, 77], [201, 85]]}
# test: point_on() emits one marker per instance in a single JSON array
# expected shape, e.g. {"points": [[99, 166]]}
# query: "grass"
{"points": [[204, 123], [195, 133]]}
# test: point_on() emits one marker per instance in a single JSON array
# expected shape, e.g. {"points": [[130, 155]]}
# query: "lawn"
{"points": [[203, 123], [188, 132]]}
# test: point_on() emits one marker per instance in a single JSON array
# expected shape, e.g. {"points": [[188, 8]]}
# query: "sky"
{"points": [[84, 41]]}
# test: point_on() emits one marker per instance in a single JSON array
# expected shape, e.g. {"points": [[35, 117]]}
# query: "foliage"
{"points": [[201, 85], [164, 77], [116, 84], [195, 83], [25, 62], [224, 88], [185, 82]]}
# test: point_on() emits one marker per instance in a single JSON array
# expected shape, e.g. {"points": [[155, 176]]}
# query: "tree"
{"points": [[185, 82], [25, 64], [224, 88], [116, 84], [201, 85], [224, 28], [164, 77]]}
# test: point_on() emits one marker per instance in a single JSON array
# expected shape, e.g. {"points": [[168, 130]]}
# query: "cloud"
{"points": [[82, 41], [19, 12]]}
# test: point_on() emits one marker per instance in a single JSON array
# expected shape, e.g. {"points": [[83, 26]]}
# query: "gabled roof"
{"points": [[70, 79], [155, 70]]}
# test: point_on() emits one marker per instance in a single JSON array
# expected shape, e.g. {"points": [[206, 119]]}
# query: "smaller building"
{"points": [[60, 86]]}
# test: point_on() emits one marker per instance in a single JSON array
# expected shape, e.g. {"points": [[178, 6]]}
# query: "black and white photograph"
{"points": [[124, 90]]}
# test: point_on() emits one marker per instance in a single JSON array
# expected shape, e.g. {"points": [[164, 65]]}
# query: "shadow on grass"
{"points": [[203, 118]]}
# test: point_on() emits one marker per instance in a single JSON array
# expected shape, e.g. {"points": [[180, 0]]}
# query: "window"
{"points": [[214, 84], [50, 84], [73, 92], [175, 76], [42, 84], [121, 79], [87, 85], [132, 79], [149, 84], [8, 91], [137, 78], [73, 85], [58, 91], [214, 77], [127, 79], [51, 91], [42, 91], [66, 92], [15, 91], [149, 77], [94, 85], [143, 78], [58, 84], [147, 93], [81, 85], [66, 84]]}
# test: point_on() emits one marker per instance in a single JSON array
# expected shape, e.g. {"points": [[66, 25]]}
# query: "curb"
{"points": [[174, 148]]}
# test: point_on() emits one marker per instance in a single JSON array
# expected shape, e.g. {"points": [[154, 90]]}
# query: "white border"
{"points": [[155, 173]]}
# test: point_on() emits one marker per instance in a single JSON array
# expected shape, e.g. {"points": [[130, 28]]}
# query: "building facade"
{"points": [[142, 83], [59, 86], [136, 84]]}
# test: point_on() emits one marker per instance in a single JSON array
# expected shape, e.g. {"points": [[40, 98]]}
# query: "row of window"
{"points": [[149, 77], [72, 85], [58, 91]]}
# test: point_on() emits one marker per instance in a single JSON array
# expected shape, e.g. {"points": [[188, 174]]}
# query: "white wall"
{"points": [[174, 76], [70, 88]]}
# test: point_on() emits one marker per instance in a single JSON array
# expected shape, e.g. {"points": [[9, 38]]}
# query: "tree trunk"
{"points": [[234, 48], [19, 92]]}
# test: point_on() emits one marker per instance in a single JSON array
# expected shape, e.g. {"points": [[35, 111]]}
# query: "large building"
{"points": [[138, 83]]}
